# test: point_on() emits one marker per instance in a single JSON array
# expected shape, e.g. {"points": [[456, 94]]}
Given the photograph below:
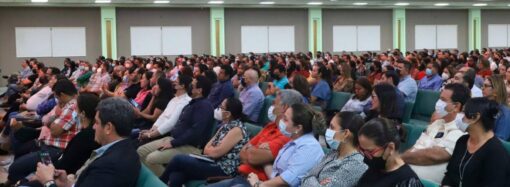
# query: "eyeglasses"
{"points": [[370, 154]]}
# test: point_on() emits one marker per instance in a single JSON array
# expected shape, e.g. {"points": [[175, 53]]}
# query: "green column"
{"points": [[475, 29], [109, 32], [217, 31], [399, 29], [314, 29]]}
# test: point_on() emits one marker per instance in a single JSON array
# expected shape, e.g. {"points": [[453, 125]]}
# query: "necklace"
{"points": [[463, 169]]}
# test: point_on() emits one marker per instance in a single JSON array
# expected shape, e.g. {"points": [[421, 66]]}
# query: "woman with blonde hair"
{"points": [[344, 83], [494, 89]]}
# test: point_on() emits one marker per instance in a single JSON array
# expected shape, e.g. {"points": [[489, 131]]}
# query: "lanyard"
{"points": [[463, 169]]}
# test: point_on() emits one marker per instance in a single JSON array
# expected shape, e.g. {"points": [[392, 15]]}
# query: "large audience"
{"points": [[259, 120]]}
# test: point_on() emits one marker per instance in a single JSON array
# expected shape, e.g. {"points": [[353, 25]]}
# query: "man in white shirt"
{"points": [[429, 156], [149, 153], [40, 96]]}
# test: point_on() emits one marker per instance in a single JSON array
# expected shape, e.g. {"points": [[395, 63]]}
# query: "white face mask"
{"points": [[148, 66], [463, 125], [459, 123], [270, 114], [440, 108], [445, 76], [99, 70], [217, 114]]}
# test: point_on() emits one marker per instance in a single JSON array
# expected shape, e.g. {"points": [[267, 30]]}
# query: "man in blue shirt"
{"points": [[280, 77], [407, 84], [432, 81], [223, 88], [251, 95]]}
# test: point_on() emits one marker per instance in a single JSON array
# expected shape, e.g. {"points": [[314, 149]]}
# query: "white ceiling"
{"points": [[278, 3]]}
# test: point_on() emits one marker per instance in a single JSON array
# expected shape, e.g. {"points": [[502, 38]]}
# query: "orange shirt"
{"points": [[276, 140]]}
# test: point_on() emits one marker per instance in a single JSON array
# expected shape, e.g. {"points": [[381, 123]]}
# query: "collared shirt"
{"points": [[431, 83], [97, 81], [38, 98], [167, 120], [502, 125], [25, 72], [220, 91], [281, 83], [296, 158], [476, 92], [252, 99], [334, 171], [271, 135], [356, 105], [408, 86], [98, 152], [66, 121]]}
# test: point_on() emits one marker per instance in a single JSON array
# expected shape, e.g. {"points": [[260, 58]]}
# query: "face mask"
{"points": [[86, 68], [243, 83], [99, 70], [282, 126], [398, 72], [428, 72], [125, 79], [445, 76], [377, 163], [217, 114], [463, 125], [440, 108], [56, 100], [459, 123], [330, 139], [270, 114], [76, 118], [94, 69], [148, 66]]}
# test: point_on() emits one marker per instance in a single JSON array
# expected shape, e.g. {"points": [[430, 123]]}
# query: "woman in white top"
{"points": [[361, 97]]}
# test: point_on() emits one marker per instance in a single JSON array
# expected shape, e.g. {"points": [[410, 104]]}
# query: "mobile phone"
{"points": [[45, 157], [133, 102]]}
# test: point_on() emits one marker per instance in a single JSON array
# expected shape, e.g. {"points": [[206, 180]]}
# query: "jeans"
{"points": [[184, 168], [238, 181], [26, 164]]}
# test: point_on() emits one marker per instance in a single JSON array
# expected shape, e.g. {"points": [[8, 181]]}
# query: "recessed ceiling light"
{"points": [[401, 4], [480, 4], [103, 1], [39, 1], [161, 2], [441, 4], [267, 2], [314, 3], [215, 2], [360, 3]]}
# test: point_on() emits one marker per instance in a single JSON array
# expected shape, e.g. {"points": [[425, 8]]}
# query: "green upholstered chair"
{"points": [[424, 106], [263, 86], [428, 183], [338, 100], [263, 118], [413, 132], [252, 129], [148, 179], [506, 145], [408, 109]]}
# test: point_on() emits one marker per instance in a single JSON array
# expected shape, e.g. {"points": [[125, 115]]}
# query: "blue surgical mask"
{"points": [[76, 118], [330, 139], [428, 72], [282, 127]]}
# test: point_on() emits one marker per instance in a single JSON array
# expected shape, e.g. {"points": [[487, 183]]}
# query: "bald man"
{"points": [[251, 95]]}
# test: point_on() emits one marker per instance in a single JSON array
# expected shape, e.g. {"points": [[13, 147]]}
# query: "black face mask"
{"points": [[377, 163], [243, 83], [275, 76], [398, 72]]}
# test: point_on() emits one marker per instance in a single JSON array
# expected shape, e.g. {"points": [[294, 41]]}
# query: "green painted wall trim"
{"points": [[399, 15], [108, 13], [475, 29], [217, 13], [314, 14]]}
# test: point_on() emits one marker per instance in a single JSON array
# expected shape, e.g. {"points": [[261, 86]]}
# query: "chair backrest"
{"points": [[424, 105], [148, 179], [412, 133], [427, 183], [236, 94], [338, 100], [408, 109], [252, 129], [263, 118], [263, 86], [506, 145]]}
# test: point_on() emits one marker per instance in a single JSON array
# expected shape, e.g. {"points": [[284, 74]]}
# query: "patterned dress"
{"points": [[230, 161]]}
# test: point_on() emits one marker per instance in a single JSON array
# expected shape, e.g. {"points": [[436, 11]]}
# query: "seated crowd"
{"points": [[193, 119]]}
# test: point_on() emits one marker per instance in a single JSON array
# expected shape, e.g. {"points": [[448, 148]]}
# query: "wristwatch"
{"points": [[49, 183]]}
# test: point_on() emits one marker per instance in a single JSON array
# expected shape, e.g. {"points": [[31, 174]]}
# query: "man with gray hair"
{"points": [[251, 95], [263, 148]]}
